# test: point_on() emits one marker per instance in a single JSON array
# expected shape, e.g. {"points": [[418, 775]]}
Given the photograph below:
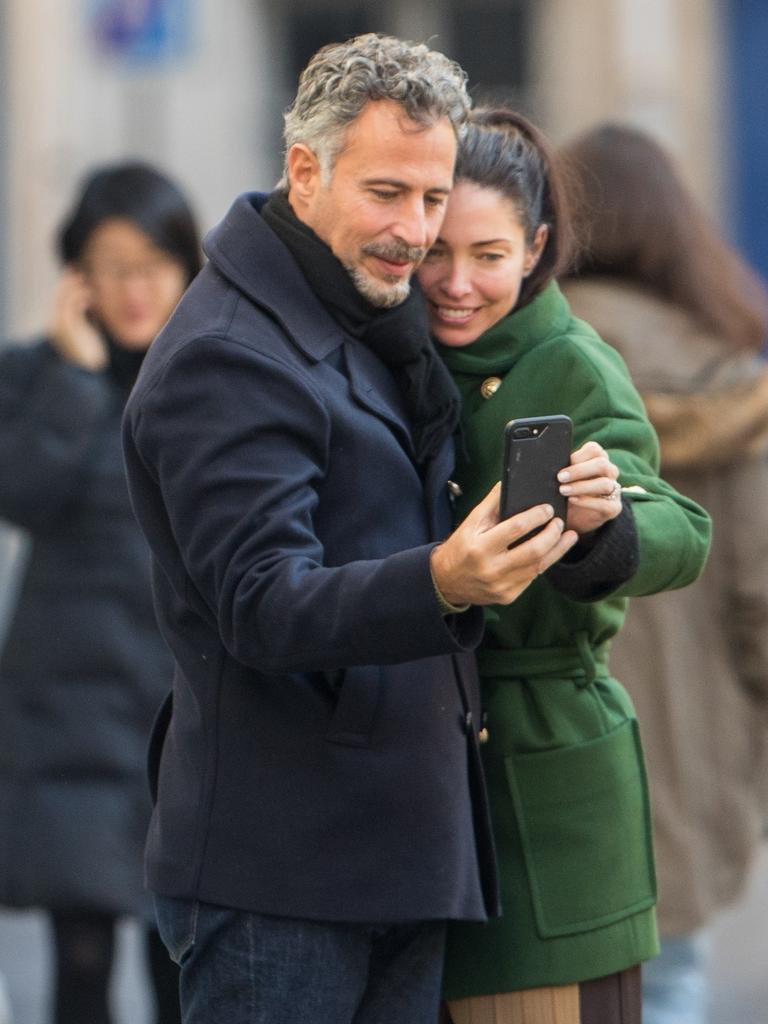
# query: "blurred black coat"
{"points": [[84, 667]]}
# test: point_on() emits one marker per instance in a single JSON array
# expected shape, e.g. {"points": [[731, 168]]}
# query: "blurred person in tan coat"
{"points": [[658, 282]]}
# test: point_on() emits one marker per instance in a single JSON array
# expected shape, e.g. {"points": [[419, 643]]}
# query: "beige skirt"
{"points": [[615, 999], [557, 1005]]}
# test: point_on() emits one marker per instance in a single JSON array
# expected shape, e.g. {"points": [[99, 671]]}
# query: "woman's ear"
{"points": [[534, 251]]}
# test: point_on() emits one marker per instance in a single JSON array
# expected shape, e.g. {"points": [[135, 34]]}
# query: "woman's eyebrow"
{"points": [[491, 241]]}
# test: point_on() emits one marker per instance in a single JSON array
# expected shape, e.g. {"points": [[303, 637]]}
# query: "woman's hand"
{"points": [[592, 488], [70, 331]]}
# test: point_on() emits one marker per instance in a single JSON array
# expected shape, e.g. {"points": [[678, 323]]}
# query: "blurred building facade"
{"points": [[199, 86]]}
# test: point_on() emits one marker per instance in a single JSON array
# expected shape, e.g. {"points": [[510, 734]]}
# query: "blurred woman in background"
{"points": [[658, 282], [84, 669]]}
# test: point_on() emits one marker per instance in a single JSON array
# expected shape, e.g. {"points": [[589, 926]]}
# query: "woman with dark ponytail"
{"points": [[563, 758]]}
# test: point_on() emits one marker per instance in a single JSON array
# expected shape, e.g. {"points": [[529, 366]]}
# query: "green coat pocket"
{"points": [[584, 819]]}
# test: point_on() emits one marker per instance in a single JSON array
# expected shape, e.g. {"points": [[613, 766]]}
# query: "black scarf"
{"points": [[398, 336], [124, 364]]}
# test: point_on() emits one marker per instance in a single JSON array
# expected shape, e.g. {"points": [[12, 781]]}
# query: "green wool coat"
{"points": [[563, 759]]}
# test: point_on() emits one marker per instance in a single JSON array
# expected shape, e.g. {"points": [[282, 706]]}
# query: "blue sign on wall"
{"points": [[140, 31]]}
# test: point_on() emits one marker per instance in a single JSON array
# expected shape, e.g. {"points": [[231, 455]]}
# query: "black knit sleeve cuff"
{"points": [[597, 565]]}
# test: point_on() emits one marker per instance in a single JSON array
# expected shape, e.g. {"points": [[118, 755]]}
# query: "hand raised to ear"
{"points": [[70, 331]]}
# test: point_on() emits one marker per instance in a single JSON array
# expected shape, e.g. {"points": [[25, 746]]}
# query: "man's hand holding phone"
{"points": [[476, 564]]}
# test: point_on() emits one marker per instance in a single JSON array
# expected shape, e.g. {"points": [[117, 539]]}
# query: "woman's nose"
{"points": [[456, 282]]}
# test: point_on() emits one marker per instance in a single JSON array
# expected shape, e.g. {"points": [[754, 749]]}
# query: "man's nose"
{"points": [[412, 225]]}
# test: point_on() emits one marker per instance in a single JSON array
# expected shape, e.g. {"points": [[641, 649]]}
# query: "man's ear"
{"points": [[303, 173]]}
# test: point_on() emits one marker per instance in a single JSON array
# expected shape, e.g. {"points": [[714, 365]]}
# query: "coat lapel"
{"points": [[373, 386]]}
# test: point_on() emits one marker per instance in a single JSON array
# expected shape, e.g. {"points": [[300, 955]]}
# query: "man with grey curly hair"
{"points": [[339, 80], [360, 86], [320, 807]]}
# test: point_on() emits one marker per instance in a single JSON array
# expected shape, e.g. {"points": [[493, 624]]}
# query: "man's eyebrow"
{"points": [[403, 185]]}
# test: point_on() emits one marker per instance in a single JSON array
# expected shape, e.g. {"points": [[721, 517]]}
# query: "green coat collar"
{"points": [[497, 351]]}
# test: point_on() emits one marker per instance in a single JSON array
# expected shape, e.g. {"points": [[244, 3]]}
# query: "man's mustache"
{"points": [[396, 252]]}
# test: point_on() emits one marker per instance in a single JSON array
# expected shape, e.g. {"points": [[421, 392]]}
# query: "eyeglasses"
{"points": [[150, 270]]}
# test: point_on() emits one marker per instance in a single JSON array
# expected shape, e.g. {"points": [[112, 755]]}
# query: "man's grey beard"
{"points": [[377, 293]]}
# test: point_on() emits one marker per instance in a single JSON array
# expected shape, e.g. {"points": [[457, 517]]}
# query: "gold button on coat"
{"points": [[490, 386]]}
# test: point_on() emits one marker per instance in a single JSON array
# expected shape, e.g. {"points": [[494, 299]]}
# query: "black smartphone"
{"points": [[535, 450]]}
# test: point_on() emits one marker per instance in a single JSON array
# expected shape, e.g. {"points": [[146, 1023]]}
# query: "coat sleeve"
{"points": [[231, 447], [593, 571], [49, 410], [673, 532]]}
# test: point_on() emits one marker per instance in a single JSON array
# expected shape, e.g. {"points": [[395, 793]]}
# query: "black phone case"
{"points": [[535, 450]]}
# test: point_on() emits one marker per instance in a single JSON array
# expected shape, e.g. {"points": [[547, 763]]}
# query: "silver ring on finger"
{"points": [[615, 492]]}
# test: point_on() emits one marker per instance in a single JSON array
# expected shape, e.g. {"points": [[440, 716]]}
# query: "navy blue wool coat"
{"points": [[319, 759]]}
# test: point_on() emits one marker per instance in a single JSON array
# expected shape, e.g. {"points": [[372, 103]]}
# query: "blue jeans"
{"points": [[675, 986], [239, 967]]}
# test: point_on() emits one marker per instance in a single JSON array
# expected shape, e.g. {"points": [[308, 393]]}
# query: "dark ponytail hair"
{"points": [[138, 193], [502, 150]]}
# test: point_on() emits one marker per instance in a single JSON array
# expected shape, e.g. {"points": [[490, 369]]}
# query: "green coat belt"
{"points": [[564, 765]]}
